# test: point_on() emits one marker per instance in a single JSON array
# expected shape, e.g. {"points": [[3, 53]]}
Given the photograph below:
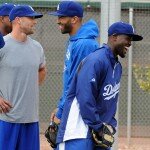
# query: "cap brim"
{"points": [[56, 14], [4, 14], [35, 15], [135, 37]]}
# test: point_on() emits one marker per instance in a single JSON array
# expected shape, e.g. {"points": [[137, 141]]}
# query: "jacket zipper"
{"points": [[114, 69]]}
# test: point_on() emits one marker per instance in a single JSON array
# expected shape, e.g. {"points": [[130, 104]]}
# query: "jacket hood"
{"points": [[88, 30]]}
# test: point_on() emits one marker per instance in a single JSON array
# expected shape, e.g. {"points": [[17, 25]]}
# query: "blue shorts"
{"points": [[19, 136], [78, 144]]}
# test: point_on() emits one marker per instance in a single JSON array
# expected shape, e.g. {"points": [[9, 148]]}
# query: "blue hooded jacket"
{"points": [[92, 96], [79, 46]]}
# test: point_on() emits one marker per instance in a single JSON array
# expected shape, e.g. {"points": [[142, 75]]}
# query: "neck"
{"points": [[18, 35], [110, 45], [112, 48], [2, 30], [75, 29]]}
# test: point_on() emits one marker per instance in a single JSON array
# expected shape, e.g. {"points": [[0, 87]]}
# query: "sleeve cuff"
{"points": [[59, 113]]}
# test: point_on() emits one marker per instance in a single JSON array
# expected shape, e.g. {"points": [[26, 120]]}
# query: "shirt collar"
{"points": [[110, 54]]}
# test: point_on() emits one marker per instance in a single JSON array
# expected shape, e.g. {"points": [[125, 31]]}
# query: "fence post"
{"points": [[110, 13], [129, 83]]}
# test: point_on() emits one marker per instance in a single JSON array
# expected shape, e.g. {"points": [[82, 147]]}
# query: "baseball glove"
{"points": [[51, 134], [104, 138]]}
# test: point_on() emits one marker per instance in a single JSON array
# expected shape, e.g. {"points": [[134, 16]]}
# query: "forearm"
{"points": [[90, 115], [42, 74]]}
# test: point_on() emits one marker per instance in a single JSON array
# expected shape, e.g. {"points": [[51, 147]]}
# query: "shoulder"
{"points": [[6, 47], [8, 42], [85, 46], [7, 38], [36, 44], [86, 42], [98, 57], [99, 54]]}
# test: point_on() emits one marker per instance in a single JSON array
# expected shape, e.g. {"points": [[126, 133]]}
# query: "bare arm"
{"points": [[42, 74]]}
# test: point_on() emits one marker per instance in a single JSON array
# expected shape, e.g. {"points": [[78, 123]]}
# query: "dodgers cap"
{"points": [[23, 11], [124, 28], [68, 9], [6, 8]]}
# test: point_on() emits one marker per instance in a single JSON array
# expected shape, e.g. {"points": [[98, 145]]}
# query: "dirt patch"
{"points": [[135, 144]]}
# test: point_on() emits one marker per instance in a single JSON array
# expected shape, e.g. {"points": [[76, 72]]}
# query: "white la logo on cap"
{"points": [[132, 28], [58, 7], [31, 8], [7, 4]]}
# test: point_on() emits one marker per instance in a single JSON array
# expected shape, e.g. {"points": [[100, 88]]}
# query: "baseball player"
{"points": [[89, 111], [5, 24], [82, 41], [22, 68]]}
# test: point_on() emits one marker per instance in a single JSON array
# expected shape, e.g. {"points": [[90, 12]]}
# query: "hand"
{"points": [[56, 120], [5, 105], [53, 116], [51, 134], [105, 137]]}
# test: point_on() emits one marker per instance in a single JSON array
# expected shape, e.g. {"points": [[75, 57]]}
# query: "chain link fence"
{"points": [[140, 104], [53, 42]]}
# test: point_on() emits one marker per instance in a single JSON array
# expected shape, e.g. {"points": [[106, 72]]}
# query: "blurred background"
{"points": [[134, 100]]}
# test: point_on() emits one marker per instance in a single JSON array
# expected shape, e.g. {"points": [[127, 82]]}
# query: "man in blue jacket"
{"points": [[93, 93], [81, 43]]}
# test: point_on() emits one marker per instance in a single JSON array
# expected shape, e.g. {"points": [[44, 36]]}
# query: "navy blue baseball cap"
{"points": [[124, 28], [23, 11], [68, 9], [2, 43], [6, 8]]}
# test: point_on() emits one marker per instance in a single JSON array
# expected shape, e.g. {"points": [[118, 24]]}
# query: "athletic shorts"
{"points": [[19, 136], [78, 144]]}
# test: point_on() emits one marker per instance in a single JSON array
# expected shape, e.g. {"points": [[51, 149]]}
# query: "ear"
{"points": [[2, 19], [74, 19], [18, 20], [115, 37]]}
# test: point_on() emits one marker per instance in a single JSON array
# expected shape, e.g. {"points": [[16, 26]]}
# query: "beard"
{"points": [[67, 28], [28, 30], [120, 51], [122, 54], [7, 29]]}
